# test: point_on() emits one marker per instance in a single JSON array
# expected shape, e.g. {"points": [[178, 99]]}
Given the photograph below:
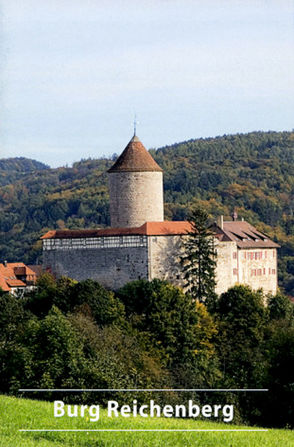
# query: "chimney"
{"points": [[5, 263], [220, 222], [235, 216]]}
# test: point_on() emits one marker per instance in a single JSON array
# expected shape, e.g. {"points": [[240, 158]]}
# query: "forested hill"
{"points": [[12, 169], [252, 172]]}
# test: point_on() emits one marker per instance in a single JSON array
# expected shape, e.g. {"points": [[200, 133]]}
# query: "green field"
{"points": [[18, 414]]}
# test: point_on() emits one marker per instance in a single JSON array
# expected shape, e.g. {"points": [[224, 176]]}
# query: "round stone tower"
{"points": [[136, 188]]}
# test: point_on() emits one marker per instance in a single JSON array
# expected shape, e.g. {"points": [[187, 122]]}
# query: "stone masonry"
{"points": [[135, 198]]}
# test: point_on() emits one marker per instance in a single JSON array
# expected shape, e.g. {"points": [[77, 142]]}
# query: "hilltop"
{"points": [[250, 172], [12, 169]]}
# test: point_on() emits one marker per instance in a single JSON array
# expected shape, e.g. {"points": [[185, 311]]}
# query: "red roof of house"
{"points": [[15, 283], [244, 234], [21, 269], [8, 278], [149, 229], [9, 273], [4, 286], [135, 158]]}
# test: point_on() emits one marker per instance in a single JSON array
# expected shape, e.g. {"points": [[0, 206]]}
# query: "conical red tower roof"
{"points": [[135, 158]]}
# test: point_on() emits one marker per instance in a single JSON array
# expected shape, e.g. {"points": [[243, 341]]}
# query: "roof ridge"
{"points": [[148, 228]]}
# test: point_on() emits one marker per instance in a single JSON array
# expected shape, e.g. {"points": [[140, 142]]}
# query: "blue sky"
{"points": [[74, 73]]}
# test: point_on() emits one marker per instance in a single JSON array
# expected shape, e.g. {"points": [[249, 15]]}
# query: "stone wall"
{"points": [[112, 267], [164, 262], [135, 198], [156, 257], [258, 268], [163, 257], [232, 266], [225, 277]]}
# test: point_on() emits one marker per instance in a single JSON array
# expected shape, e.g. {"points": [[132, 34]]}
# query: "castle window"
{"points": [[265, 254], [273, 271], [253, 272], [273, 253], [259, 272], [235, 255], [264, 271], [235, 271], [245, 255]]}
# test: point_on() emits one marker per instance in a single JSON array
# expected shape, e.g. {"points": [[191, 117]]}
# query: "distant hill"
{"points": [[250, 172], [12, 169]]}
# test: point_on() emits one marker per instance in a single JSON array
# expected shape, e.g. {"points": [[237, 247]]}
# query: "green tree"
{"points": [[179, 327], [280, 355], [12, 353], [199, 258], [68, 294], [40, 301], [117, 358], [163, 311], [106, 308], [241, 316], [56, 352], [280, 307]]}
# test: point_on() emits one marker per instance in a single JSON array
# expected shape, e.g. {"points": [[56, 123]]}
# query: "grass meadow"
{"points": [[16, 414]]}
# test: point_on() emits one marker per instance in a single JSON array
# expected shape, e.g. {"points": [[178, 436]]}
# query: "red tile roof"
{"points": [[9, 273], [15, 283], [245, 235], [4, 285], [21, 269], [149, 229], [135, 158]]}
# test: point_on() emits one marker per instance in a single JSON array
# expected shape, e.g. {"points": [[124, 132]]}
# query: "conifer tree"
{"points": [[199, 258]]}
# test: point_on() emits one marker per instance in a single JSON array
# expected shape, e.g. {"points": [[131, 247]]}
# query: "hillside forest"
{"points": [[252, 173]]}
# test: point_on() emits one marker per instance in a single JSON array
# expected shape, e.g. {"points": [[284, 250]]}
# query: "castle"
{"points": [[140, 244]]}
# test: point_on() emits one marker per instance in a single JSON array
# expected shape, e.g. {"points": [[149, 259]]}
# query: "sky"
{"points": [[74, 73]]}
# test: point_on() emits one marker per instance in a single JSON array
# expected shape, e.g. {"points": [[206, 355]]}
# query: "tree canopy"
{"points": [[151, 335]]}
